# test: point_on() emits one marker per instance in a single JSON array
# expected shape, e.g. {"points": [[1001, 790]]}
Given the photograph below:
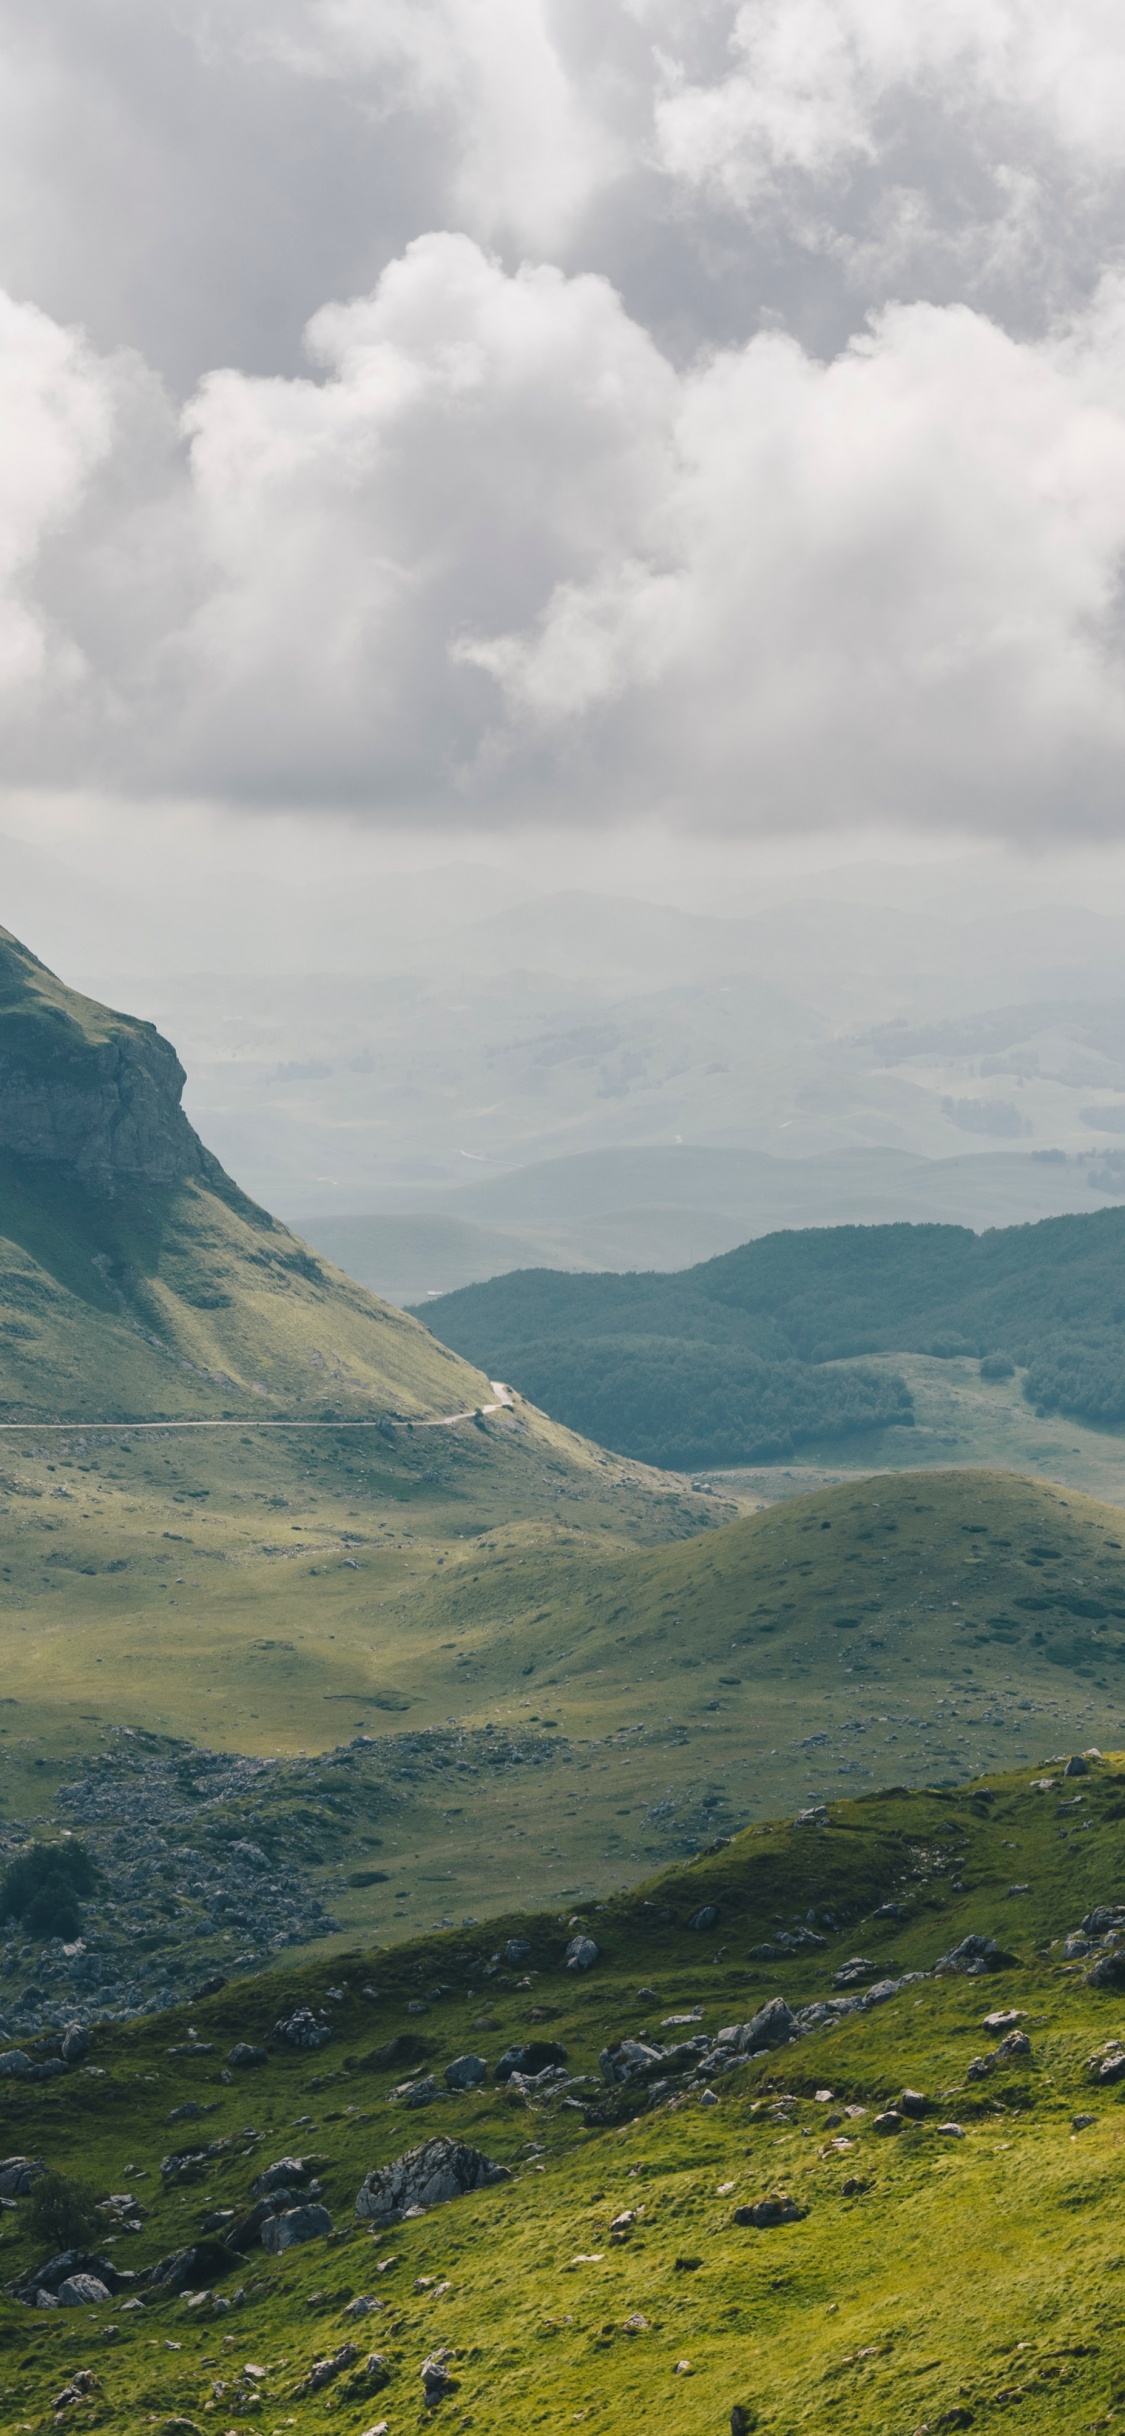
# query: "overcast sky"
{"points": [[459, 415]]}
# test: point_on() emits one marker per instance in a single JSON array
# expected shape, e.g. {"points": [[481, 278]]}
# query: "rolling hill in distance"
{"points": [[748, 1357]]}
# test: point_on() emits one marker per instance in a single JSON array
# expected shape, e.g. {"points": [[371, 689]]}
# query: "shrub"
{"points": [[63, 2213], [997, 1366], [42, 1888]]}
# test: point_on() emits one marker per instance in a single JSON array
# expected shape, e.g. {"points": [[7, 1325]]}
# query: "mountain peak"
{"points": [[87, 1090]]}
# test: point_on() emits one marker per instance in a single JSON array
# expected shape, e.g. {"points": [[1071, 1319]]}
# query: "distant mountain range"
{"points": [[747, 1357]]}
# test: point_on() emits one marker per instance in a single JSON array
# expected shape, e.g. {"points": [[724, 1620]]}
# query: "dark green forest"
{"points": [[735, 1361]]}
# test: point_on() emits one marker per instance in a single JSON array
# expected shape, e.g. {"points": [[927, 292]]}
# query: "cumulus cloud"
{"points": [[56, 426], [721, 411], [498, 556]]}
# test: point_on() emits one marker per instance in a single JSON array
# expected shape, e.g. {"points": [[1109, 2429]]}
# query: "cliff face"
{"points": [[86, 1090]]}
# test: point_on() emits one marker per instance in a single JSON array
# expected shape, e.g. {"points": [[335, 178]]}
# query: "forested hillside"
{"points": [[738, 1360]]}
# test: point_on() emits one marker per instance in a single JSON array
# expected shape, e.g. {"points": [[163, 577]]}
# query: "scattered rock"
{"points": [[1077, 1766], [517, 1953], [1104, 1919], [437, 2378], [211, 1986], [772, 2026], [295, 2225], [302, 2029], [779, 2209], [425, 2177], [288, 2173], [465, 2072], [582, 1954], [15, 2065], [951, 2131], [998, 2023], [1016, 2043], [851, 1974], [82, 2384], [82, 2292], [890, 2121], [76, 2042], [974, 1956], [1083, 2122], [41, 2287], [244, 2056], [1108, 2064], [1109, 1972], [188, 2270], [530, 2059], [324, 2371], [706, 1917], [913, 2103], [17, 2175], [980, 2068], [420, 2093]]}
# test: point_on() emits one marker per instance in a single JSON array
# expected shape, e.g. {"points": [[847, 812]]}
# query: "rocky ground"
{"points": [[211, 1861]]}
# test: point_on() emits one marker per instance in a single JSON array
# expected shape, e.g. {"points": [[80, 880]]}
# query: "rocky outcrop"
{"points": [[425, 2177], [94, 1093]]}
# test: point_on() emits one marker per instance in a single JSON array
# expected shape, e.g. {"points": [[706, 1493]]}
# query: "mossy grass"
{"points": [[931, 2280]]}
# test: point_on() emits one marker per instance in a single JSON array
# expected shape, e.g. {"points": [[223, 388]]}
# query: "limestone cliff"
{"points": [[86, 1090]]}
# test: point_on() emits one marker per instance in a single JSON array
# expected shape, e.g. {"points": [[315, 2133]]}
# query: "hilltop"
{"points": [[747, 1357], [718, 2199], [136, 1280]]}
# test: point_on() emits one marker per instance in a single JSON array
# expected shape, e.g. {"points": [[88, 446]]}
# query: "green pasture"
{"points": [[932, 2281]]}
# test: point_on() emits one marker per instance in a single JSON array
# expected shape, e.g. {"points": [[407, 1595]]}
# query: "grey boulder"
{"points": [[17, 2175], [1108, 1973], [779, 2209], [295, 2225], [439, 2170], [465, 2072], [82, 2291], [244, 2056], [285, 2175], [303, 2030], [705, 1918], [582, 1954], [772, 2026]]}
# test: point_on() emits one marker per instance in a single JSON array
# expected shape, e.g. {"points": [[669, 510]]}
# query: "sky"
{"points": [[436, 420]]}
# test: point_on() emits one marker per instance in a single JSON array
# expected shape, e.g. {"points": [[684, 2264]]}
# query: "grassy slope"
{"points": [[708, 1680], [220, 1310], [135, 1278], [959, 2278]]}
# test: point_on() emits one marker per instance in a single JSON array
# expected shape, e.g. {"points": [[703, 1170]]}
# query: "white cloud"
{"points": [[56, 421], [812, 82], [498, 558], [529, 144]]}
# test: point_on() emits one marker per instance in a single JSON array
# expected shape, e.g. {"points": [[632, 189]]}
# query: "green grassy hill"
{"points": [[928, 2278], [616, 1702], [751, 1355]]}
